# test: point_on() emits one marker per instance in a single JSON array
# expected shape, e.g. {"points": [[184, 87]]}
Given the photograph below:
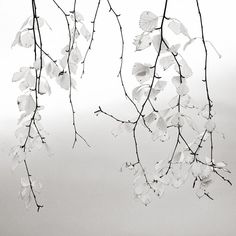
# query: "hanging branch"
{"points": [[35, 27], [92, 38], [70, 48]]}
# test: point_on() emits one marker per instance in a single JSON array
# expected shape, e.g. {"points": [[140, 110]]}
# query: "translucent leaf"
{"points": [[174, 48], [174, 102], [78, 16], [183, 89], [220, 164], [185, 69], [161, 124], [178, 28], [26, 103], [156, 40], [44, 87], [17, 39], [142, 72], [84, 31], [139, 92], [37, 63], [188, 43], [167, 62], [148, 21], [64, 81], [25, 22], [210, 125], [142, 42], [176, 81], [150, 118], [52, 70], [177, 120], [17, 76], [26, 39], [75, 55], [191, 123], [160, 85]]}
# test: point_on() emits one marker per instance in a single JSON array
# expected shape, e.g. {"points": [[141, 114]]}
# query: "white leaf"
{"points": [[75, 55], [167, 62], [139, 92], [210, 125], [52, 70], [148, 21], [26, 39], [78, 16], [174, 48], [176, 81], [177, 120], [150, 118], [25, 22], [185, 69], [178, 28], [220, 164], [26, 103], [160, 85], [17, 39], [17, 76], [188, 43], [84, 31], [37, 63], [64, 81], [183, 89], [191, 123], [44, 87], [142, 72], [142, 42], [156, 40], [196, 169], [161, 124]]}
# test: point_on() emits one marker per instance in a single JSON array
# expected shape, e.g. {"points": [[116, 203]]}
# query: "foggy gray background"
{"points": [[84, 192]]}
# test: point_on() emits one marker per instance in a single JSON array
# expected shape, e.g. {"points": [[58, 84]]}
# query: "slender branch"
{"points": [[92, 38]]}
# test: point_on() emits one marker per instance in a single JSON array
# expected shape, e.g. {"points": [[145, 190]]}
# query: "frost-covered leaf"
{"points": [[142, 72], [26, 103], [210, 125], [178, 28], [183, 89], [142, 42], [167, 62], [148, 21], [84, 31], [26, 39]]}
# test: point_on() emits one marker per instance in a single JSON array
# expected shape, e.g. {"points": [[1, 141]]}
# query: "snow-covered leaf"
{"points": [[148, 21]]}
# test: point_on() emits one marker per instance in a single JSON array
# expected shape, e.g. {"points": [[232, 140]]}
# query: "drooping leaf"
{"points": [[142, 42], [84, 31], [156, 40], [26, 103], [210, 125], [142, 72], [178, 28], [182, 89], [167, 62], [148, 21], [26, 39]]}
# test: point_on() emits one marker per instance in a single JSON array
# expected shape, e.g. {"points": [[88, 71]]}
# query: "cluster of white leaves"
{"points": [[26, 193]]}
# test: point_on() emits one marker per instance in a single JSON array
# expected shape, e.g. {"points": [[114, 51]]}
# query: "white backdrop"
{"points": [[84, 193]]}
